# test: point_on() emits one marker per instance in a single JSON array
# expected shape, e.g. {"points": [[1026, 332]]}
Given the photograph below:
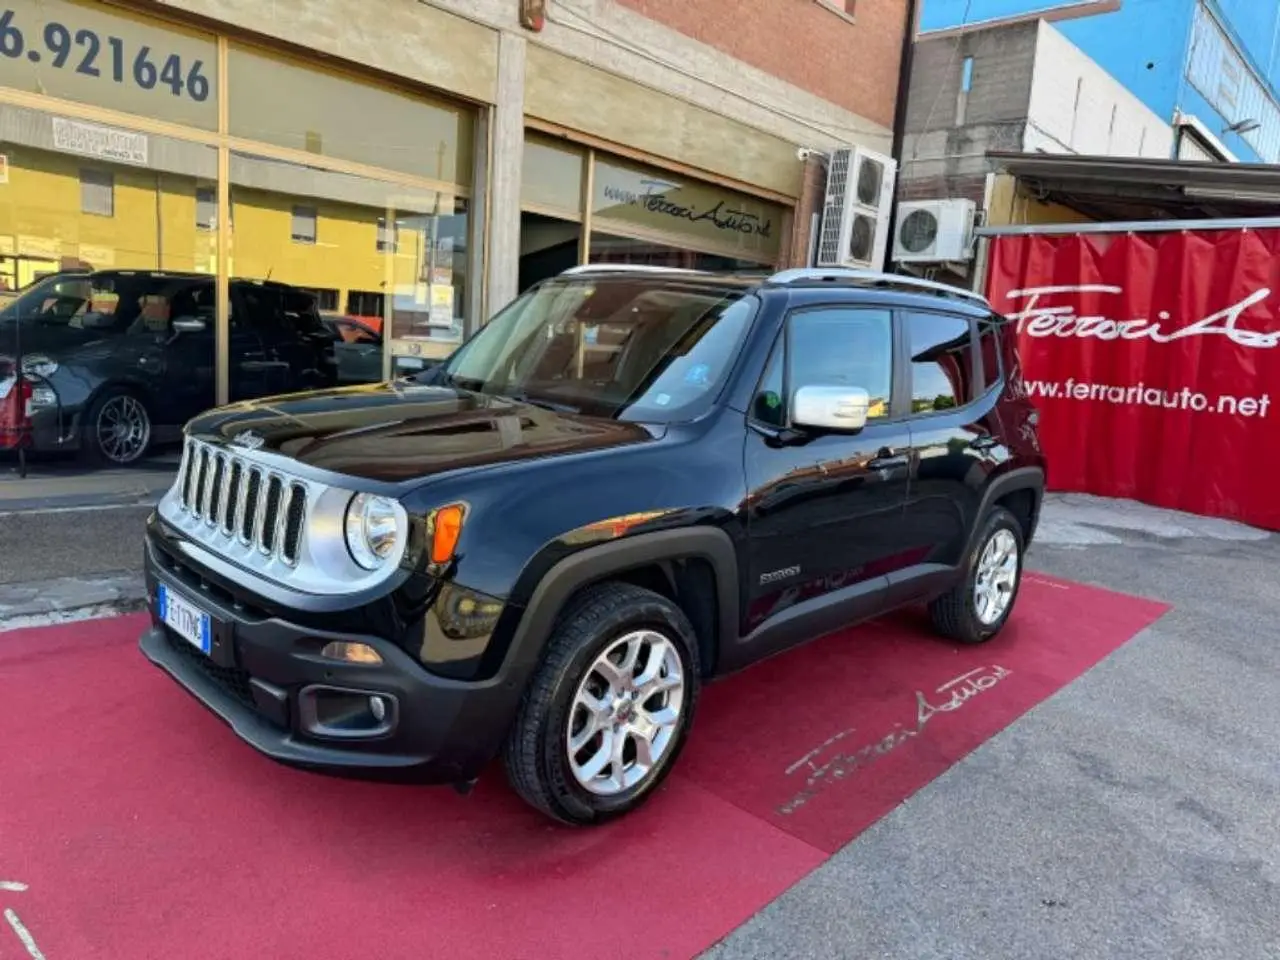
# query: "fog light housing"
{"points": [[337, 713], [351, 652]]}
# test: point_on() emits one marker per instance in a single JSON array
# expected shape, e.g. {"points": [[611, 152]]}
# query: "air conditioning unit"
{"points": [[934, 231], [855, 213]]}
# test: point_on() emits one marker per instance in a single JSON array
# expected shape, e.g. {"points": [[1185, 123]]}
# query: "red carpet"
{"points": [[142, 828]]}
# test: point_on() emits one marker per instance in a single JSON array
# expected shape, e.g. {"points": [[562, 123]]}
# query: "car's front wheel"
{"points": [[608, 711], [977, 607], [117, 429]]}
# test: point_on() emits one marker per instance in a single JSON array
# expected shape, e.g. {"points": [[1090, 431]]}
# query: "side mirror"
{"points": [[188, 325], [842, 409]]}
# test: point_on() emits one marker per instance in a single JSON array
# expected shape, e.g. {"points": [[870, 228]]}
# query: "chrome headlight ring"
{"points": [[376, 529]]}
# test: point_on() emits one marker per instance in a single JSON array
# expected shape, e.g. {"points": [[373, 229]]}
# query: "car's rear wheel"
{"points": [[608, 711], [117, 429], [977, 607]]}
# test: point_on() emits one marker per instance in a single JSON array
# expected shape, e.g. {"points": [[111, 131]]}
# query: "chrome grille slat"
{"points": [[238, 503], [271, 513], [242, 494], [295, 514], [252, 493], [203, 487], [282, 512], [230, 487], [184, 476], [217, 487], [260, 511]]}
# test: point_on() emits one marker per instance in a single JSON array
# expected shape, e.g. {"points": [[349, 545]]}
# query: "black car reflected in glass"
{"points": [[119, 360]]}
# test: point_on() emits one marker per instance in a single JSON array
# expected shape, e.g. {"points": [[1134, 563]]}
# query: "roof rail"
{"points": [[875, 276], [626, 268]]}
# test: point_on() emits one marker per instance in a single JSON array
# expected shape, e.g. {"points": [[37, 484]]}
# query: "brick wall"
{"points": [[851, 61]]}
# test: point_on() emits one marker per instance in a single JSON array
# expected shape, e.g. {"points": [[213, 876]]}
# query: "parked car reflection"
{"points": [[357, 348], [117, 360]]}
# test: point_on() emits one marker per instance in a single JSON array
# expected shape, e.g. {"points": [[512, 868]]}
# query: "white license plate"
{"points": [[186, 620]]}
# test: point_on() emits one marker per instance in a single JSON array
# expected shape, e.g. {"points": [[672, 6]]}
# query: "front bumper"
{"points": [[263, 671]]}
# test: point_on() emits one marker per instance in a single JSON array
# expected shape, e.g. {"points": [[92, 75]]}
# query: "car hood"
{"points": [[398, 432]]}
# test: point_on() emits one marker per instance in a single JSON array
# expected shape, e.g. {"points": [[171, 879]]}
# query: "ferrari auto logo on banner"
{"points": [[1155, 361]]}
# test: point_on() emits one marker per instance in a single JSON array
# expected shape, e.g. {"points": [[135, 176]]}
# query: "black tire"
{"points": [[92, 451], [536, 754], [955, 614]]}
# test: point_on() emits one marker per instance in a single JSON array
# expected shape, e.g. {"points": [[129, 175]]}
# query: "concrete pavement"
{"points": [[70, 541], [1135, 814]]}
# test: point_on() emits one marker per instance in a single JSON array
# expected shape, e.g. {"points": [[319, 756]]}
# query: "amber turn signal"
{"points": [[445, 531], [351, 652]]}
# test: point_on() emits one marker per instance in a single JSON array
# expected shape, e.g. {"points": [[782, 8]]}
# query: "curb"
{"points": [[137, 497], [66, 599]]}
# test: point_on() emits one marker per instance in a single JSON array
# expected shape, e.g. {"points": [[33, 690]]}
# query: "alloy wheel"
{"points": [[626, 713], [123, 429], [996, 578]]}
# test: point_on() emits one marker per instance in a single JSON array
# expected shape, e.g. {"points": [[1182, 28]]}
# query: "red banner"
{"points": [[1154, 359]]}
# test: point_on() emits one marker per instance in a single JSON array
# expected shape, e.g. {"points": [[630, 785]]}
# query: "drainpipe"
{"points": [[904, 79], [900, 113]]}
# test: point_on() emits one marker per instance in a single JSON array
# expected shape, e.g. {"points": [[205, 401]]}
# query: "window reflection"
{"points": [[384, 258], [611, 248], [941, 361], [843, 347]]}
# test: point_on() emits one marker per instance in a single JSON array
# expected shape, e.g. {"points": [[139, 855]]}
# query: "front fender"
{"points": [[522, 646]]}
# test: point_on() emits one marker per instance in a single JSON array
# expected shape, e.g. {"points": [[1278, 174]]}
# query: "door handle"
{"points": [[886, 460]]}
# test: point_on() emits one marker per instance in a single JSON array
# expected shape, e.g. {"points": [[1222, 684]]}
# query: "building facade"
{"points": [[418, 164], [1209, 68], [1016, 87], [1013, 87]]}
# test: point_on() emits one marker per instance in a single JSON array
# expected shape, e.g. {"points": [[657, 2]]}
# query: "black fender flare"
{"points": [[1020, 478], [601, 561]]}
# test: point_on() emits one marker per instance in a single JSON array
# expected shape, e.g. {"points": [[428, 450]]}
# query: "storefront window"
{"points": [[642, 202], [387, 261], [112, 285], [606, 248], [548, 246], [101, 55], [348, 233], [69, 200], [275, 100], [639, 215], [552, 177]]}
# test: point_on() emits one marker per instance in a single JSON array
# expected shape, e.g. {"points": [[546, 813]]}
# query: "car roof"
{"points": [[185, 276], [872, 286]]}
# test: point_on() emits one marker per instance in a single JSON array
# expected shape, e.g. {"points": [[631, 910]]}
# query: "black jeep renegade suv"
{"points": [[630, 481]]}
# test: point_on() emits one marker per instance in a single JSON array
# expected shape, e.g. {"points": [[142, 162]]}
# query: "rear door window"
{"points": [[942, 369]]}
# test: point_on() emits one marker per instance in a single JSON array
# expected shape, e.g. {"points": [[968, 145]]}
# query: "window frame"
{"points": [[996, 324], [978, 375], [782, 341], [304, 213], [97, 178]]}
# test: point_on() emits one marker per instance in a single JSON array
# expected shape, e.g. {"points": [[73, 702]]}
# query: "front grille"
{"points": [[237, 498]]}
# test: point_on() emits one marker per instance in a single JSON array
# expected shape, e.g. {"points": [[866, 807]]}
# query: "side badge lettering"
{"points": [[777, 575]]}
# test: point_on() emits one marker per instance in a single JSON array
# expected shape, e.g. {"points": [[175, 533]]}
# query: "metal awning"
{"points": [[1141, 189]]}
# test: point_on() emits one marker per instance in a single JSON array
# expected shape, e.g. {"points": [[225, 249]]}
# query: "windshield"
{"points": [[105, 303], [56, 298], [648, 349]]}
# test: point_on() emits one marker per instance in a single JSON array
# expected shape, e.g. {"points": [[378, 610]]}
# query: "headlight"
{"points": [[38, 365], [374, 530]]}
